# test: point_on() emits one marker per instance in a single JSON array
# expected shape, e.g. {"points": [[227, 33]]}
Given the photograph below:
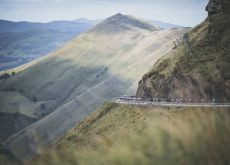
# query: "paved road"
{"points": [[170, 104]]}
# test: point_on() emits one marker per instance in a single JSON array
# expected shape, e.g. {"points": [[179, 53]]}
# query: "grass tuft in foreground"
{"points": [[161, 136]]}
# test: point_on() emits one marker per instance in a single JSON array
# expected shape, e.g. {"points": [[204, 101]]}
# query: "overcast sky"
{"points": [[182, 12]]}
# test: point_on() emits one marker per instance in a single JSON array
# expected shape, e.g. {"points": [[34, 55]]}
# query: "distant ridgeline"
{"points": [[204, 75]]}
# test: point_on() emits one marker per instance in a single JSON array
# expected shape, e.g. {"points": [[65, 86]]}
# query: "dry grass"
{"points": [[145, 136]]}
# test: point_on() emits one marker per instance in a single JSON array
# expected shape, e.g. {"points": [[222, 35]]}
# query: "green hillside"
{"points": [[75, 79], [117, 134], [92, 58], [202, 75]]}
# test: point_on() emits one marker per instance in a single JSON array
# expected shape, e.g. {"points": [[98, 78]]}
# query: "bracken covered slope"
{"points": [[204, 74]]}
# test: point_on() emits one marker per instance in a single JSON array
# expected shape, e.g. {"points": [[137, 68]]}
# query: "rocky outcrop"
{"points": [[218, 7], [215, 7]]}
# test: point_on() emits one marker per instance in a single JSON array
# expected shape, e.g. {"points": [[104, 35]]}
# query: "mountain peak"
{"points": [[118, 15], [120, 23], [121, 18]]}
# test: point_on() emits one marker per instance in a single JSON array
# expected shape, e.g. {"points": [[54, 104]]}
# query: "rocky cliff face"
{"points": [[205, 75], [218, 7], [215, 7]]}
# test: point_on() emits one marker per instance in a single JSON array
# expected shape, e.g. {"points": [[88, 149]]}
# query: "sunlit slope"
{"points": [[85, 72], [89, 60]]}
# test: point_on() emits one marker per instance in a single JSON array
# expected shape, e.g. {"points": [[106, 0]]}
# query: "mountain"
{"points": [[62, 26], [18, 48], [125, 23], [164, 25], [156, 23], [84, 20], [22, 42], [73, 80], [196, 69]]}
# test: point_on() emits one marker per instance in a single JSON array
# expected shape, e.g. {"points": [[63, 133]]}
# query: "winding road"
{"points": [[168, 104]]}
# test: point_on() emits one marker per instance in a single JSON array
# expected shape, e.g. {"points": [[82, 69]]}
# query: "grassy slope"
{"points": [[81, 60], [84, 73], [203, 76], [117, 134]]}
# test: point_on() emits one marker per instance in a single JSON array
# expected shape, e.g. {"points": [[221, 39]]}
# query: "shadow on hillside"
{"points": [[77, 89]]}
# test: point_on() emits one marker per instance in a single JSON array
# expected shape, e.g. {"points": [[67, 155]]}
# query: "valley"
{"points": [[22, 42]]}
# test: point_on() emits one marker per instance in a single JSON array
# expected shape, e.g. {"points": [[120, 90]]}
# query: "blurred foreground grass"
{"points": [[116, 134]]}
